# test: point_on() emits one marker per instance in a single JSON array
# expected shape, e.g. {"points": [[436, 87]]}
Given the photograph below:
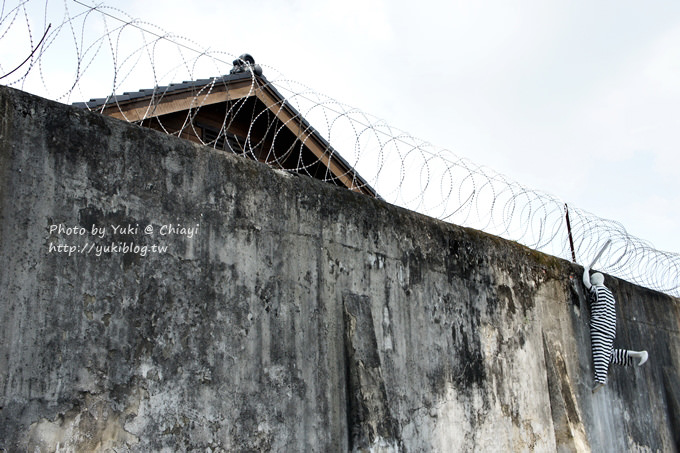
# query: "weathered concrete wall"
{"points": [[296, 317]]}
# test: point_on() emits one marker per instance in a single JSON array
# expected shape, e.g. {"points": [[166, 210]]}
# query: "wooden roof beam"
{"points": [[294, 124], [143, 108]]}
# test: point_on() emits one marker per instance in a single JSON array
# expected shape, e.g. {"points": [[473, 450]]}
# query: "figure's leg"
{"points": [[625, 357], [602, 351], [621, 357]]}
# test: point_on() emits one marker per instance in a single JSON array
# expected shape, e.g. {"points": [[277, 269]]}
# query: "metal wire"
{"points": [[99, 50]]}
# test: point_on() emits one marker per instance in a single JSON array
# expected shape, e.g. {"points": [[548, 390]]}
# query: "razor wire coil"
{"points": [[109, 46]]}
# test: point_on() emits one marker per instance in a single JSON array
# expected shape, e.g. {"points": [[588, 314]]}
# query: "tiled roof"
{"points": [[161, 90]]}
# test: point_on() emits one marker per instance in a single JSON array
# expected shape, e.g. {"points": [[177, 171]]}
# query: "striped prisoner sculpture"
{"points": [[603, 330]]}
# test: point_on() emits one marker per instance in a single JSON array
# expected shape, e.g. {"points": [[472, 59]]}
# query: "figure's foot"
{"points": [[643, 358], [642, 355], [598, 386]]}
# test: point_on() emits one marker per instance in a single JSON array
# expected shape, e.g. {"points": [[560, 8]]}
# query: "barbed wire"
{"points": [[70, 51]]}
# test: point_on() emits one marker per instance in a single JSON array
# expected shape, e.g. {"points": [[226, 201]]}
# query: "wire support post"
{"points": [[571, 238]]}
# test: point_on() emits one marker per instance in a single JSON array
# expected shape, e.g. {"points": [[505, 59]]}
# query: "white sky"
{"points": [[577, 98]]}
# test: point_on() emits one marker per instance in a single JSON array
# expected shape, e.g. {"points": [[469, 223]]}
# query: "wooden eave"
{"points": [[165, 103]]}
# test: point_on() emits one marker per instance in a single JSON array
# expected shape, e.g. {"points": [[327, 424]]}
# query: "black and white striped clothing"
{"points": [[603, 332], [604, 354], [602, 310]]}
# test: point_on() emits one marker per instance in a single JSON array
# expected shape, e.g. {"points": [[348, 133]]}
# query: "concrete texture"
{"points": [[286, 314]]}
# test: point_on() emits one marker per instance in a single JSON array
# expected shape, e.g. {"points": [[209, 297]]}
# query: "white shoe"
{"points": [[642, 355], [643, 358]]}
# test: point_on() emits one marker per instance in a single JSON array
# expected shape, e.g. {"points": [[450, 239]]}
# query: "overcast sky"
{"points": [[577, 98], [580, 99]]}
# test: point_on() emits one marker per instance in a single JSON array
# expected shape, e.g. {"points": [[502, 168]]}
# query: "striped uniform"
{"points": [[603, 332]]}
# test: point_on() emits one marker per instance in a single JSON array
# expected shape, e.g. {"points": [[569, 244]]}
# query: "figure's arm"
{"points": [[586, 278]]}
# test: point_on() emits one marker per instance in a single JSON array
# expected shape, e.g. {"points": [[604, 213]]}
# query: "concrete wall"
{"points": [[296, 317]]}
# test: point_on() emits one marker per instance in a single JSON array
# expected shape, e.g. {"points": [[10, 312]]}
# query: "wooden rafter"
{"points": [[303, 133]]}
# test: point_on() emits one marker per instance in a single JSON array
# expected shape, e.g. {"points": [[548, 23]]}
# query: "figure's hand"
{"points": [[586, 277]]}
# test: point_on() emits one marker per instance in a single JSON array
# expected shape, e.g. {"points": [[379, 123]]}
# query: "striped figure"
{"points": [[603, 330]]}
